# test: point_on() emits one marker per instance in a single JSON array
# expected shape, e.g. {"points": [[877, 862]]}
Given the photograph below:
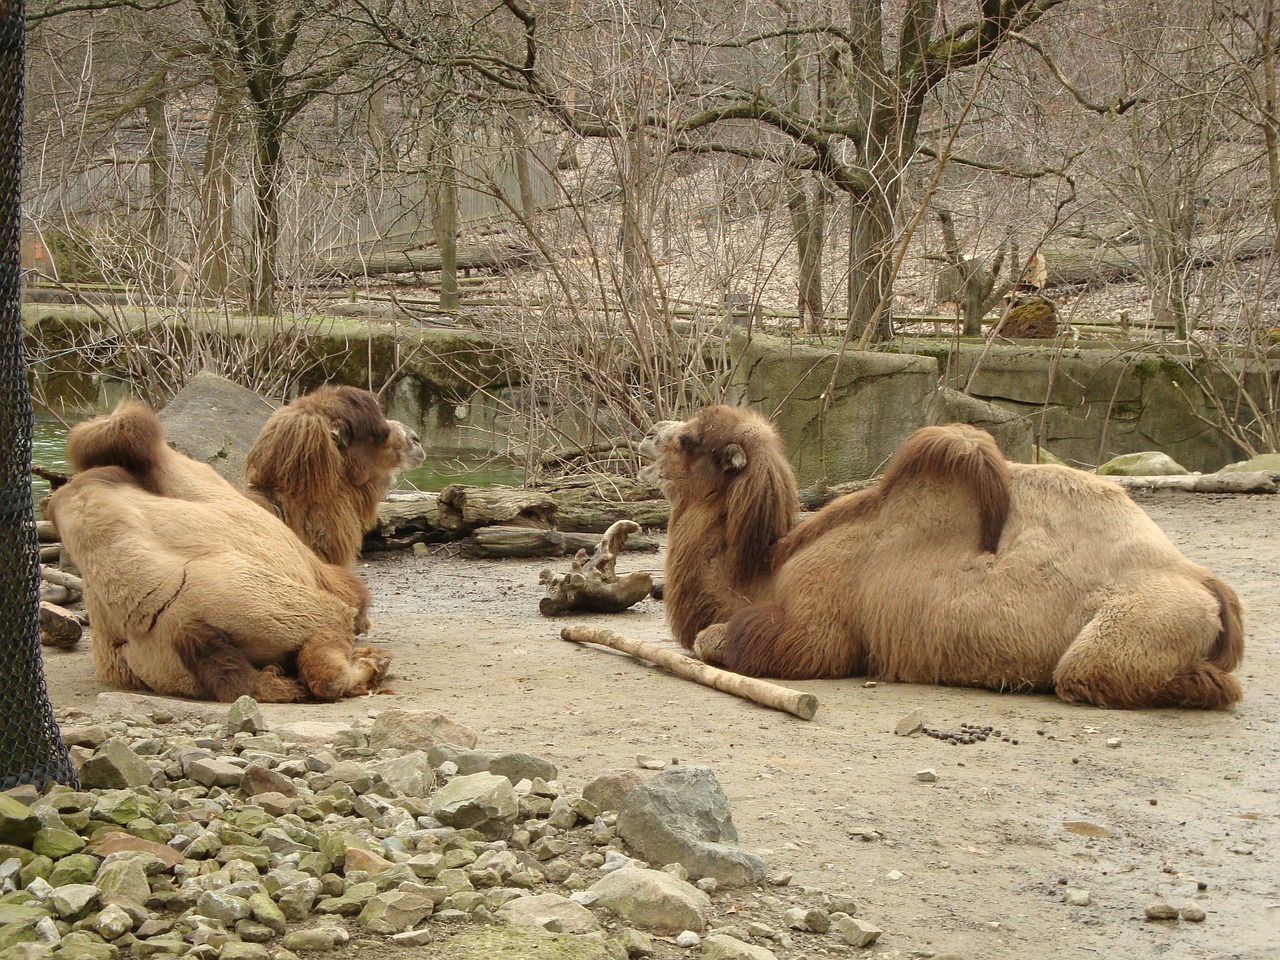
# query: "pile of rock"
{"points": [[222, 839]]}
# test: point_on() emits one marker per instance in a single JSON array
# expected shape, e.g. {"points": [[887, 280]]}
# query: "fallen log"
{"points": [[802, 705], [1259, 481], [505, 542], [592, 583], [463, 509], [423, 261], [1068, 266]]}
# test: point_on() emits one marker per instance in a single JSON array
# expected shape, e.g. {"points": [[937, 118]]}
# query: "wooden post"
{"points": [[802, 705]]}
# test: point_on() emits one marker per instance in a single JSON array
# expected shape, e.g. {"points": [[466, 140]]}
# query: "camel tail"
{"points": [[130, 437], [962, 456], [1229, 649]]}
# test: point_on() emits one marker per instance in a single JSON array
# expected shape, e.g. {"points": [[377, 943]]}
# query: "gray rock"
{"points": [[215, 421], [123, 881], [1268, 462], [721, 947], [1148, 463], [550, 912], [682, 816], [1161, 911], [396, 911], [913, 722], [409, 775], [1076, 898], [653, 900], [213, 772], [855, 932], [18, 825], [112, 923], [513, 765], [809, 920], [256, 779], [221, 906], [115, 766], [73, 900], [482, 801], [244, 716], [608, 790], [417, 730], [318, 939]]}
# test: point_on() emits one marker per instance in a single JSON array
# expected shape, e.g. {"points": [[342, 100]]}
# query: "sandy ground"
{"points": [[973, 864]]}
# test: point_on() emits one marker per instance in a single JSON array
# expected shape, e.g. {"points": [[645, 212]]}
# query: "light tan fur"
{"points": [[191, 588], [325, 461], [959, 568]]}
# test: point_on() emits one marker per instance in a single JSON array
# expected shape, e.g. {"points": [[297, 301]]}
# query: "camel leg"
{"points": [[332, 669], [765, 641], [110, 665], [223, 673], [1149, 648]]}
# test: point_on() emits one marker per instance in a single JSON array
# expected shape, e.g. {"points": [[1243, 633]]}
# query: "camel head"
{"points": [[728, 460], [409, 446]]}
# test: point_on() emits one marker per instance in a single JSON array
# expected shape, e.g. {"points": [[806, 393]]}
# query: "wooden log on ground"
{"points": [[802, 705], [499, 542], [62, 579], [592, 584], [45, 532], [1066, 266], [420, 261], [1260, 481], [463, 508]]}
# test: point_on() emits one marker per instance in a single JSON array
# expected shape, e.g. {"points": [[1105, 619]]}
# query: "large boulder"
{"points": [[682, 816], [1148, 463], [215, 421]]}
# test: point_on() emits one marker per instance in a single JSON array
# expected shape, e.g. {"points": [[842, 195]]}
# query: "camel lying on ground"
{"points": [[325, 461], [958, 568], [193, 589]]}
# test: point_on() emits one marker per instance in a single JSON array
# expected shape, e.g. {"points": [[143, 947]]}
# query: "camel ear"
{"points": [[733, 458], [341, 435]]}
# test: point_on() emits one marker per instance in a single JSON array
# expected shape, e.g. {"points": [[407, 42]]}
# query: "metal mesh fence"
{"points": [[31, 748]]}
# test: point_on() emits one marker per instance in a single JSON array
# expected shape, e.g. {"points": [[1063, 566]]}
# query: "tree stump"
{"points": [[591, 583]]}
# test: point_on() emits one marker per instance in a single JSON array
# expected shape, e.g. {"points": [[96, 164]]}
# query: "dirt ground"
{"points": [[1133, 807]]}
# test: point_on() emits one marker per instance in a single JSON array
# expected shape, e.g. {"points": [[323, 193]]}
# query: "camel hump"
{"points": [[130, 437], [964, 457]]}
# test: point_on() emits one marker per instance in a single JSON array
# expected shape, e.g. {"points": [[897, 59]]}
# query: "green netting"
{"points": [[31, 748]]}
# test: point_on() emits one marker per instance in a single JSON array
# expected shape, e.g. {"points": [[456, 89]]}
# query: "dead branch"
{"points": [[802, 705], [591, 583]]}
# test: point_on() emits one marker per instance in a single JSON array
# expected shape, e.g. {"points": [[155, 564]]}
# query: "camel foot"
{"points": [[711, 644]]}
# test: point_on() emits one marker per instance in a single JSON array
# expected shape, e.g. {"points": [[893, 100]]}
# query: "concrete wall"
{"points": [[1089, 404], [1084, 405], [875, 401]]}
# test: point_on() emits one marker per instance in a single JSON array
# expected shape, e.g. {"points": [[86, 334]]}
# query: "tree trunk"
{"points": [[157, 267], [266, 220], [808, 215], [870, 266], [446, 213], [217, 199]]}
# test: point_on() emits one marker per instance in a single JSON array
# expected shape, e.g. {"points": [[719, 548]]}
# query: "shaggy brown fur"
{"points": [[325, 462], [191, 589], [959, 568]]}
